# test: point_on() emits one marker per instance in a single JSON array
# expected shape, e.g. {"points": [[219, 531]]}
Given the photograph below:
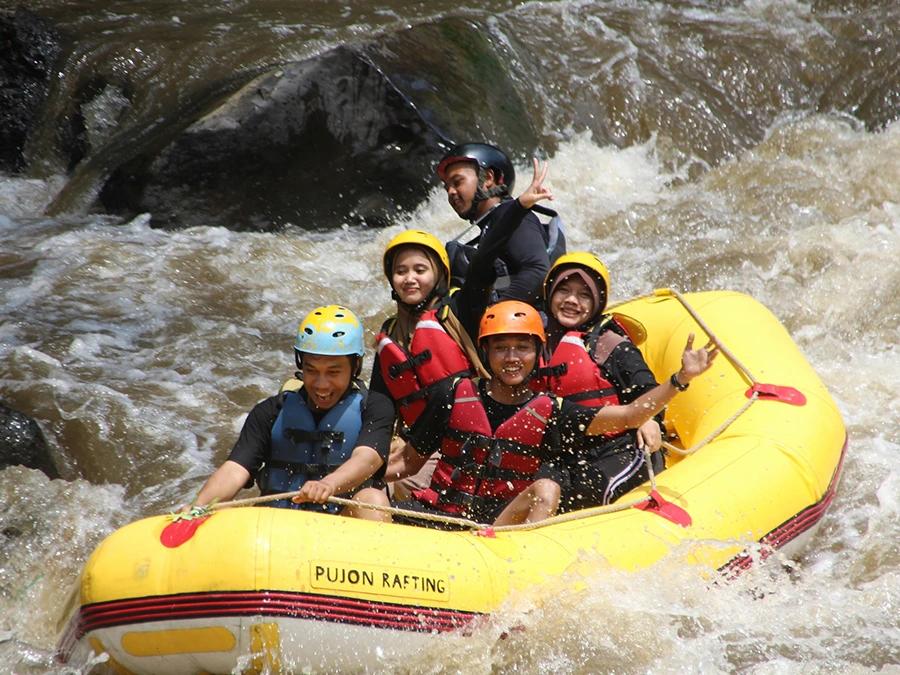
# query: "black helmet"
{"points": [[486, 156]]}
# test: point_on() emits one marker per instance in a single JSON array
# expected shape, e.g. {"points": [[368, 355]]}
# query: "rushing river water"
{"points": [[139, 351]]}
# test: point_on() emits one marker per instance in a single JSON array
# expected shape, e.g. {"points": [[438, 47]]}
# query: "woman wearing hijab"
{"points": [[592, 361]]}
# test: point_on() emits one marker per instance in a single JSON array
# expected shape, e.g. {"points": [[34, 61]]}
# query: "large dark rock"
{"points": [[21, 442], [350, 136], [309, 143], [868, 87], [29, 47], [459, 77]]}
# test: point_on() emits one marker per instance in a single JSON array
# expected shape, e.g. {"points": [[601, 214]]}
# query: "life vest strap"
{"points": [[514, 447], [425, 392], [397, 369], [469, 439], [558, 370], [295, 468], [464, 460], [303, 436], [492, 469]]}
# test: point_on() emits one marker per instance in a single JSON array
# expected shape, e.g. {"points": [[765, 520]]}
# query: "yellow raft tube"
{"points": [[280, 589]]}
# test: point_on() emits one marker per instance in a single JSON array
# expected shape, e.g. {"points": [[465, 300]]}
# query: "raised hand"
{"points": [[695, 361], [536, 191]]}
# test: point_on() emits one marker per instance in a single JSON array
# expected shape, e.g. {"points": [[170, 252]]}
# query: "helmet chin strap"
{"points": [[420, 306], [498, 190]]}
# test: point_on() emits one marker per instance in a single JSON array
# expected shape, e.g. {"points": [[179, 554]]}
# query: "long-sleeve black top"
{"points": [[524, 254]]}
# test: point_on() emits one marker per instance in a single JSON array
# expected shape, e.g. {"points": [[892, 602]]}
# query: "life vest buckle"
{"points": [[496, 457], [558, 370]]}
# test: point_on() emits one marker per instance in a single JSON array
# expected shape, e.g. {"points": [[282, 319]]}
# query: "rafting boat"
{"points": [[761, 446]]}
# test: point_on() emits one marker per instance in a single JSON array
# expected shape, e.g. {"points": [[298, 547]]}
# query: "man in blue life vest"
{"points": [[479, 179], [323, 435]]}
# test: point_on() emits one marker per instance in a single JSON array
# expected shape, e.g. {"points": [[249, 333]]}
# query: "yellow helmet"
{"points": [[583, 259], [415, 238]]}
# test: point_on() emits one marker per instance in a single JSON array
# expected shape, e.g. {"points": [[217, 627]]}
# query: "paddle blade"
{"points": [[177, 532]]}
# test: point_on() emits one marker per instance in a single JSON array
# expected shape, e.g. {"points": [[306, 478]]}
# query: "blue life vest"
{"points": [[303, 450]]}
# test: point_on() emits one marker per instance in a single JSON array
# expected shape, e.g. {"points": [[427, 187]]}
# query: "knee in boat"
{"points": [[546, 490], [372, 496]]}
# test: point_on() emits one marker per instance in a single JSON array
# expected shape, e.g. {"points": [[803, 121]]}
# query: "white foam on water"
{"points": [[139, 351]]}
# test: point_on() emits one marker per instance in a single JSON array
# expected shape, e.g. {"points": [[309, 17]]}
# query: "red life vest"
{"points": [[573, 374], [433, 356], [480, 470]]}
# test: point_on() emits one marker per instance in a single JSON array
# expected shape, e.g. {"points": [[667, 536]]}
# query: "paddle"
{"points": [[184, 524]]}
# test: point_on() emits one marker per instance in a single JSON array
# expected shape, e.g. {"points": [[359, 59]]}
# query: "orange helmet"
{"points": [[511, 317]]}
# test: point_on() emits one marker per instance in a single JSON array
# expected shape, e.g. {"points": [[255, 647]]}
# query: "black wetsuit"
{"points": [[522, 263]]}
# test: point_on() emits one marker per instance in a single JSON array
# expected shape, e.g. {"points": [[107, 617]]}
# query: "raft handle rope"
{"points": [[738, 365], [465, 523], [201, 511]]}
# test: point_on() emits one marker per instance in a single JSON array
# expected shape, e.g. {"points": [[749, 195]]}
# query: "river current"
{"points": [[139, 351]]}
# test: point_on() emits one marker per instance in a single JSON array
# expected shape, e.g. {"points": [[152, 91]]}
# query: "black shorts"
{"points": [[600, 480]]}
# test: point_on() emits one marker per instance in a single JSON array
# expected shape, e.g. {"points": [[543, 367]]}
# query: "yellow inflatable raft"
{"points": [[284, 589]]}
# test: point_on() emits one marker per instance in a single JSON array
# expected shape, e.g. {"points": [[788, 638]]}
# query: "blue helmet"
{"points": [[332, 330]]}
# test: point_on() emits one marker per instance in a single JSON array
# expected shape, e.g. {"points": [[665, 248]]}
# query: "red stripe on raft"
{"points": [[215, 598], [264, 603], [790, 529], [294, 609], [352, 611]]}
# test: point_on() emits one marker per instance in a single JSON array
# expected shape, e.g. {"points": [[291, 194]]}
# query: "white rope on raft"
{"points": [[715, 432], [463, 523], [467, 524], [738, 365]]}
